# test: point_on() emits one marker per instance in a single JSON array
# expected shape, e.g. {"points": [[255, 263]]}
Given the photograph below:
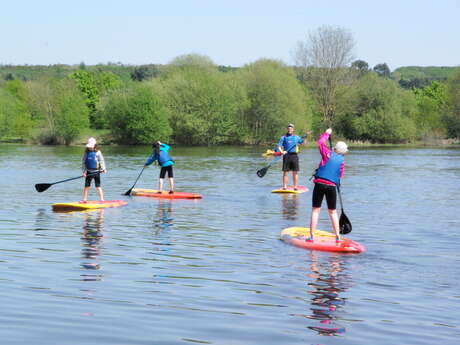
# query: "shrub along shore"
{"points": [[193, 102]]}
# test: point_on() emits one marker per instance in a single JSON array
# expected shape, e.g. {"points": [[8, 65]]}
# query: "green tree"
{"points": [[137, 116], [15, 119], [205, 106], [382, 70], [60, 109], [145, 72], [361, 66], [86, 82], [276, 98], [431, 102], [452, 117], [379, 111]]}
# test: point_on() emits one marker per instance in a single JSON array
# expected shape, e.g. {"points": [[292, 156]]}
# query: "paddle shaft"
{"points": [[41, 187], [129, 191]]}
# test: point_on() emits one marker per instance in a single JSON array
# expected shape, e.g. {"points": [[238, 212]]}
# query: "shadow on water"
{"points": [[93, 234], [330, 280]]}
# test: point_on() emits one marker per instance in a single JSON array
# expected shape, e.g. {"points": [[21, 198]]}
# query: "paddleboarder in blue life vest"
{"points": [[160, 154], [92, 164], [327, 177], [288, 147]]}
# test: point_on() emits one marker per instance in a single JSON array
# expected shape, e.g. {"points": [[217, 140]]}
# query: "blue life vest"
{"points": [[91, 160], [331, 170]]}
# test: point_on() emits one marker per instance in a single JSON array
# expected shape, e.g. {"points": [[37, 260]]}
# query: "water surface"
{"points": [[213, 271]]}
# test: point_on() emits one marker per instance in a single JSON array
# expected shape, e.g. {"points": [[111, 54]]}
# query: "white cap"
{"points": [[91, 143], [341, 148]]}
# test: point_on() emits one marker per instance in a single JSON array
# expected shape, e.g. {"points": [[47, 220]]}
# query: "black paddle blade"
{"points": [[41, 187], [261, 173], [129, 191], [345, 224]]}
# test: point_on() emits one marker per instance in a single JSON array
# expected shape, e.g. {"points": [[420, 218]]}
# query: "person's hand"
{"points": [[104, 171], [84, 174], [329, 131]]}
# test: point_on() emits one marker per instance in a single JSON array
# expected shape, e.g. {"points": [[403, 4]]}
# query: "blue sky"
{"points": [[237, 32]]}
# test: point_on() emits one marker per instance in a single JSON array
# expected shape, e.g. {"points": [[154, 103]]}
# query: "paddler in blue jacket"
{"points": [[160, 154], [288, 147], [327, 178]]}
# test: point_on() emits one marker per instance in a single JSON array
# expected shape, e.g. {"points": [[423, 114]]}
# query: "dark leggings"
{"points": [[93, 175], [168, 169], [322, 190]]}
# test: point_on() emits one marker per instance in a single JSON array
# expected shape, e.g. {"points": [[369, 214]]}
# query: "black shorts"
{"points": [[93, 175], [168, 169], [291, 162], [322, 190]]}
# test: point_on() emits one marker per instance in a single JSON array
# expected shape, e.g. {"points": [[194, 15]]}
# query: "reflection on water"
{"points": [[163, 218], [93, 233], [326, 303], [290, 206]]}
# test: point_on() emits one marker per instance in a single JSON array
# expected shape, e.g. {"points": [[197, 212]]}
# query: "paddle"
{"points": [[41, 187], [261, 173], [129, 191], [344, 222]]}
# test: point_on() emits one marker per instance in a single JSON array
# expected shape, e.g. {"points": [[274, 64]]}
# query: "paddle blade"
{"points": [[129, 191], [41, 187], [345, 224], [261, 173]]}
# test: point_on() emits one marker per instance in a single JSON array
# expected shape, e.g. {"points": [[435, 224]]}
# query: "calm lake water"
{"points": [[213, 271]]}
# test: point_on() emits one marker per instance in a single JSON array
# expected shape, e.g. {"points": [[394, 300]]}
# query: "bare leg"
{"points": [[314, 220], [335, 223], [295, 178], [285, 179], [101, 193], [160, 185], [171, 184], [85, 193]]}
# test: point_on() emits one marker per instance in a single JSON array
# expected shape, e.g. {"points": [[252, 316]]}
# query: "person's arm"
{"points": [[342, 169], [101, 162], [153, 157], [83, 164], [300, 140], [322, 146], [281, 145]]}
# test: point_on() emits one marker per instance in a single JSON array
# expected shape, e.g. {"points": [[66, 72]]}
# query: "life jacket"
{"points": [[91, 160], [331, 170]]}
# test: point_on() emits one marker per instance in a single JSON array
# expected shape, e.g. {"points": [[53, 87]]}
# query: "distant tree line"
{"points": [[192, 101]]}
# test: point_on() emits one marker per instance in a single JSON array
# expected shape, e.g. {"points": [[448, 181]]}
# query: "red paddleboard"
{"points": [[88, 205], [290, 189], [153, 193], [323, 240]]}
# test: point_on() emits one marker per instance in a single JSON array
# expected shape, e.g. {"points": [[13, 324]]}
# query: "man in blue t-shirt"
{"points": [[288, 147]]}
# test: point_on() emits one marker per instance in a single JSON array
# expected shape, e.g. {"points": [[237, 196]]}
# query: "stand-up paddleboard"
{"points": [[290, 189], [88, 205], [153, 193], [271, 153], [322, 240]]}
